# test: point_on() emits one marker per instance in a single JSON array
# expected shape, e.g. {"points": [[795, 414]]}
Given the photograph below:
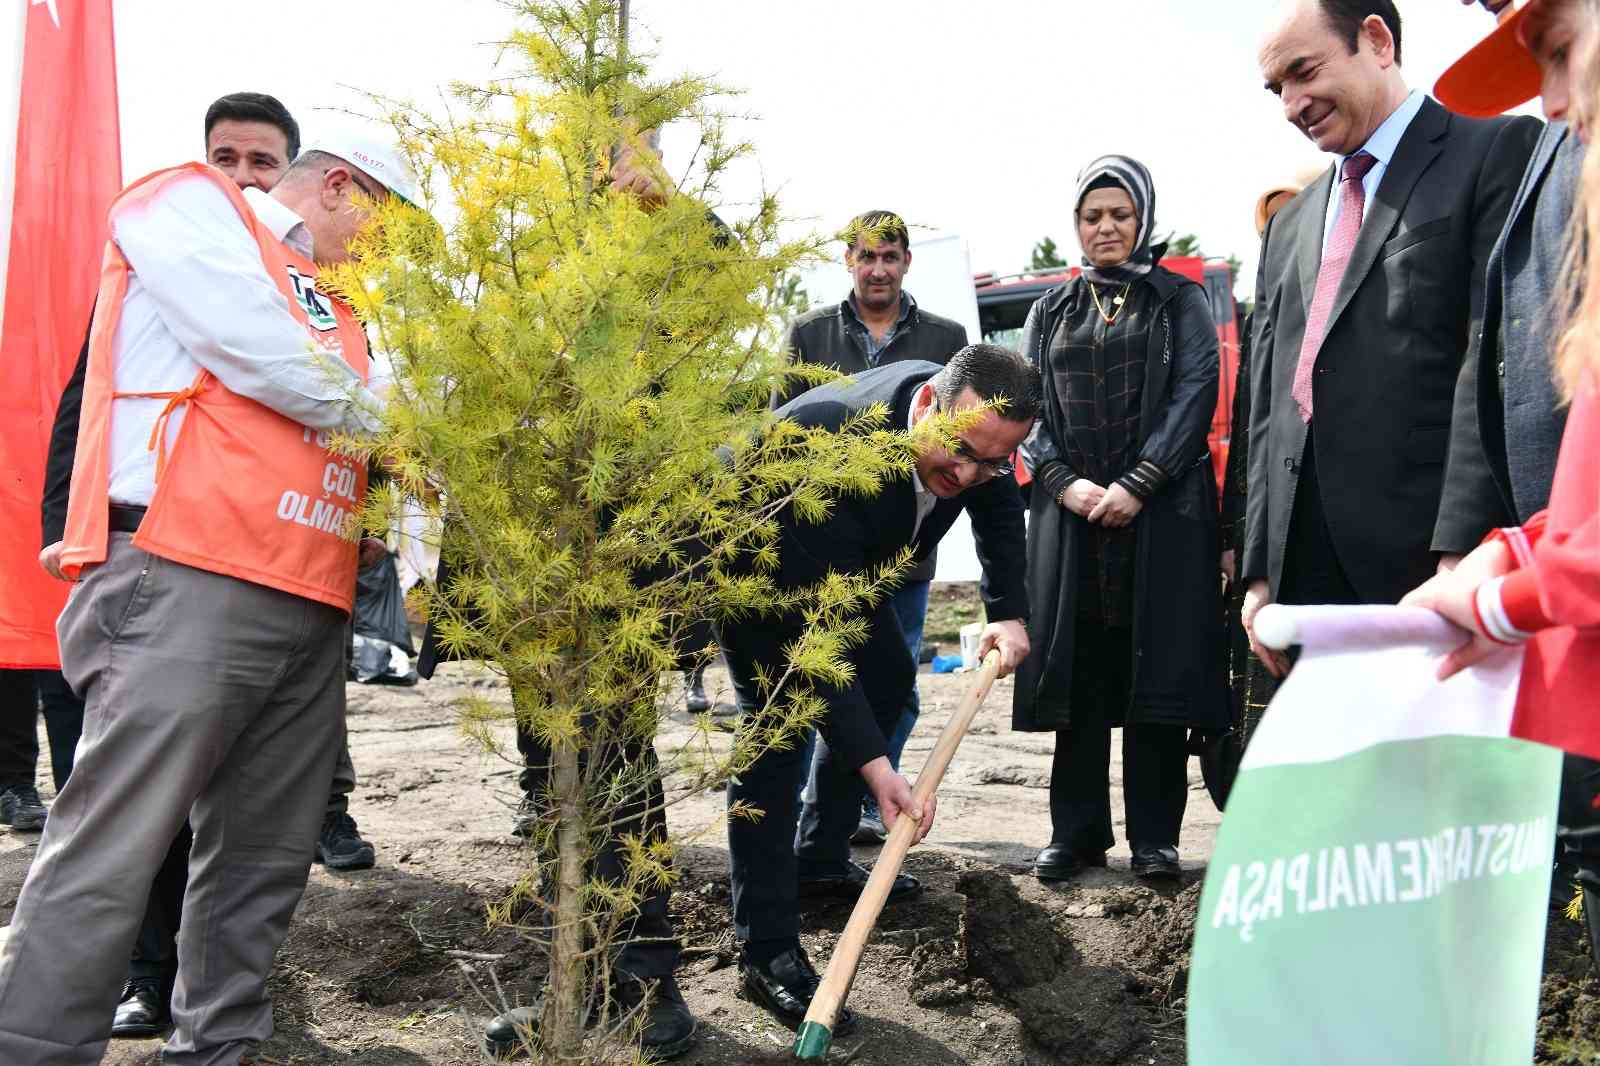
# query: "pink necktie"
{"points": [[1341, 242]]}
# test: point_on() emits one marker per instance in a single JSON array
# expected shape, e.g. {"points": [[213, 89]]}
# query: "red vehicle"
{"points": [[1003, 303]]}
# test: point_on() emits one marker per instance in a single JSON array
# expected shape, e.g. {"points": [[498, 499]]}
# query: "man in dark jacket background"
{"points": [[877, 324]]}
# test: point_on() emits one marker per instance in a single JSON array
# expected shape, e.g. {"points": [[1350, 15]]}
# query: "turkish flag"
{"points": [[67, 170]]}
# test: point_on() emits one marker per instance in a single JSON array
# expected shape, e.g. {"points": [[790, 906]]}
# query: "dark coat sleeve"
{"points": [[1041, 451], [1179, 437], [884, 670], [1470, 504], [63, 449], [1254, 565], [1001, 539]]}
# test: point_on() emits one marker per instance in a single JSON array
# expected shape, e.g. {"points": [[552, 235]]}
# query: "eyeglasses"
{"points": [[964, 454], [990, 467]]}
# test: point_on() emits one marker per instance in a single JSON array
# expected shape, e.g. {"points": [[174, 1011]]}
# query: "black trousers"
{"points": [[1155, 757], [649, 945], [19, 728], [63, 721], [23, 694], [769, 854], [1311, 569]]}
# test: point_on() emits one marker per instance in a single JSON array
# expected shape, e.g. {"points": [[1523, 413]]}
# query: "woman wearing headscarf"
{"points": [[1123, 538]]}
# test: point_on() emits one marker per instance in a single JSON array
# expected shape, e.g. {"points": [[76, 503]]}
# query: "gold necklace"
{"points": [[1118, 302]]}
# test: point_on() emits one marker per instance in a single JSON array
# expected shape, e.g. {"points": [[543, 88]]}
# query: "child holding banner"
{"points": [[1540, 582]]}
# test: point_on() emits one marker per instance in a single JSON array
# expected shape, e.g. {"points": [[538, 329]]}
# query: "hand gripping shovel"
{"points": [[816, 1032]]}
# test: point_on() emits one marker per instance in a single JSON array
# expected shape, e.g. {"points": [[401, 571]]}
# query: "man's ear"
{"points": [[907, 268], [333, 185], [922, 403], [1376, 33]]}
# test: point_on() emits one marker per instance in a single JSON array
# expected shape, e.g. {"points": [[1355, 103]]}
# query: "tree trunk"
{"points": [[564, 1013]]}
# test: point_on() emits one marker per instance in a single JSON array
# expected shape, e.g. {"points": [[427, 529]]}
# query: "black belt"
{"points": [[126, 519]]}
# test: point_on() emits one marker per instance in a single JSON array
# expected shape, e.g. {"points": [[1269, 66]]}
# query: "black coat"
{"points": [[1411, 298], [862, 532], [1178, 667], [63, 450], [823, 337]]}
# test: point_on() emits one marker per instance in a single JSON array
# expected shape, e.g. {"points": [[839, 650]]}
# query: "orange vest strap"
{"points": [[158, 432]]}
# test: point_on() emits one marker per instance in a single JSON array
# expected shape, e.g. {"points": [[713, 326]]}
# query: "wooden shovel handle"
{"points": [[841, 972]]}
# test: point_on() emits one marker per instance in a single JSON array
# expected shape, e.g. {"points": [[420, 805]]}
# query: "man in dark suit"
{"points": [[772, 863], [1370, 286], [877, 324]]}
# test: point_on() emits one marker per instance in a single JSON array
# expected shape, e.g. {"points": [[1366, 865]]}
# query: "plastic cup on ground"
{"points": [[969, 645]]}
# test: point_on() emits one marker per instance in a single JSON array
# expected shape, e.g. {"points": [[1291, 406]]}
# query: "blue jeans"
{"points": [[910, 606]]}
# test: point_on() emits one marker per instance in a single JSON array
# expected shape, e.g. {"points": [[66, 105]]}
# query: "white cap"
{"points": [[376, 157]]}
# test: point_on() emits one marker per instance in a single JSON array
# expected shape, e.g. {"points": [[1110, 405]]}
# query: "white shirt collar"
{"points": [[1386, 138], [280, 221]]}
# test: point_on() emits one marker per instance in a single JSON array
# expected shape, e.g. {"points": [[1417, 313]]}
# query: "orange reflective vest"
{"points": [[245, 491]]}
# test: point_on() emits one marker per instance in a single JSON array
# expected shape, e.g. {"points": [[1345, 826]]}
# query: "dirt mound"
{"points": [[1086, 970], [1569, 998]]}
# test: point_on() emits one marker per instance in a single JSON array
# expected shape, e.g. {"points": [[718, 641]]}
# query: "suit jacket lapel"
{"points": [[1544, 152], [1417, 149], [1309, 247]]}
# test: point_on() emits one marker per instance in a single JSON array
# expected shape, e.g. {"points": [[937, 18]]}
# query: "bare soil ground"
{"points": [[987, 967]]}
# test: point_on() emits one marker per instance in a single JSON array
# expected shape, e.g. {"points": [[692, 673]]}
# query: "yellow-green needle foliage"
{"points": [[580, 382]]}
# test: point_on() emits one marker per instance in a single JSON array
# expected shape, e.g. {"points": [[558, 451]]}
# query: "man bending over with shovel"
{"points": [[773, 865]]}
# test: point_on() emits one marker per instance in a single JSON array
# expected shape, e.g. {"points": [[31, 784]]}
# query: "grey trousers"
{"points": [[206, 697]]}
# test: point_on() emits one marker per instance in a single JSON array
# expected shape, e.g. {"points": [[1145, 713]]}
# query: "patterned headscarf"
{"points": [[1131, 177]]}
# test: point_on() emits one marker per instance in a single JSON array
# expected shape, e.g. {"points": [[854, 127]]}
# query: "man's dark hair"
{"points": [[1346, 16], [255, 107], [878, 227], [992, 372]]}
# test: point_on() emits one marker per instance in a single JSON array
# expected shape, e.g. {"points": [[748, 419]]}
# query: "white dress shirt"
{"points": [[200, 296], [1380, 146]]}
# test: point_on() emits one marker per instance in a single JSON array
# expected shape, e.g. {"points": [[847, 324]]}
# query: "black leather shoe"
{"points": [[1156, 863], [847, 886], [1058, 862], [503, 1038], [785, 986], [340, 847], [21, 808], [668, 1030], [526, 818], [698, 702], [142, 1012]]}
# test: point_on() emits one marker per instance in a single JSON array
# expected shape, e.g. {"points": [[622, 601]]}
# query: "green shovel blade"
{"points": [[811, 1042]]}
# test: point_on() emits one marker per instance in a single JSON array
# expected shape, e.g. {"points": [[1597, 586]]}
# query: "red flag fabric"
{"points": [[68, 170]]}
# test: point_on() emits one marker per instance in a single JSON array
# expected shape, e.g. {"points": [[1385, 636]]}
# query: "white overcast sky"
{"points": [[971, 117]]}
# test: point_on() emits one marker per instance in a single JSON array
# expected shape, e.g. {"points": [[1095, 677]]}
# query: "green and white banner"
{"points": [[1379, 888]]}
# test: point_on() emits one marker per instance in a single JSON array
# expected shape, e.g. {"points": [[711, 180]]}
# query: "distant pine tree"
{"points": [[1045, 255]]}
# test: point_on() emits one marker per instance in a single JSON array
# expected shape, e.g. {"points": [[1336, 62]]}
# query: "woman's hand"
{"points": [[1116, 508], [1451, 593], [1452, 597], [1081, 497]]}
